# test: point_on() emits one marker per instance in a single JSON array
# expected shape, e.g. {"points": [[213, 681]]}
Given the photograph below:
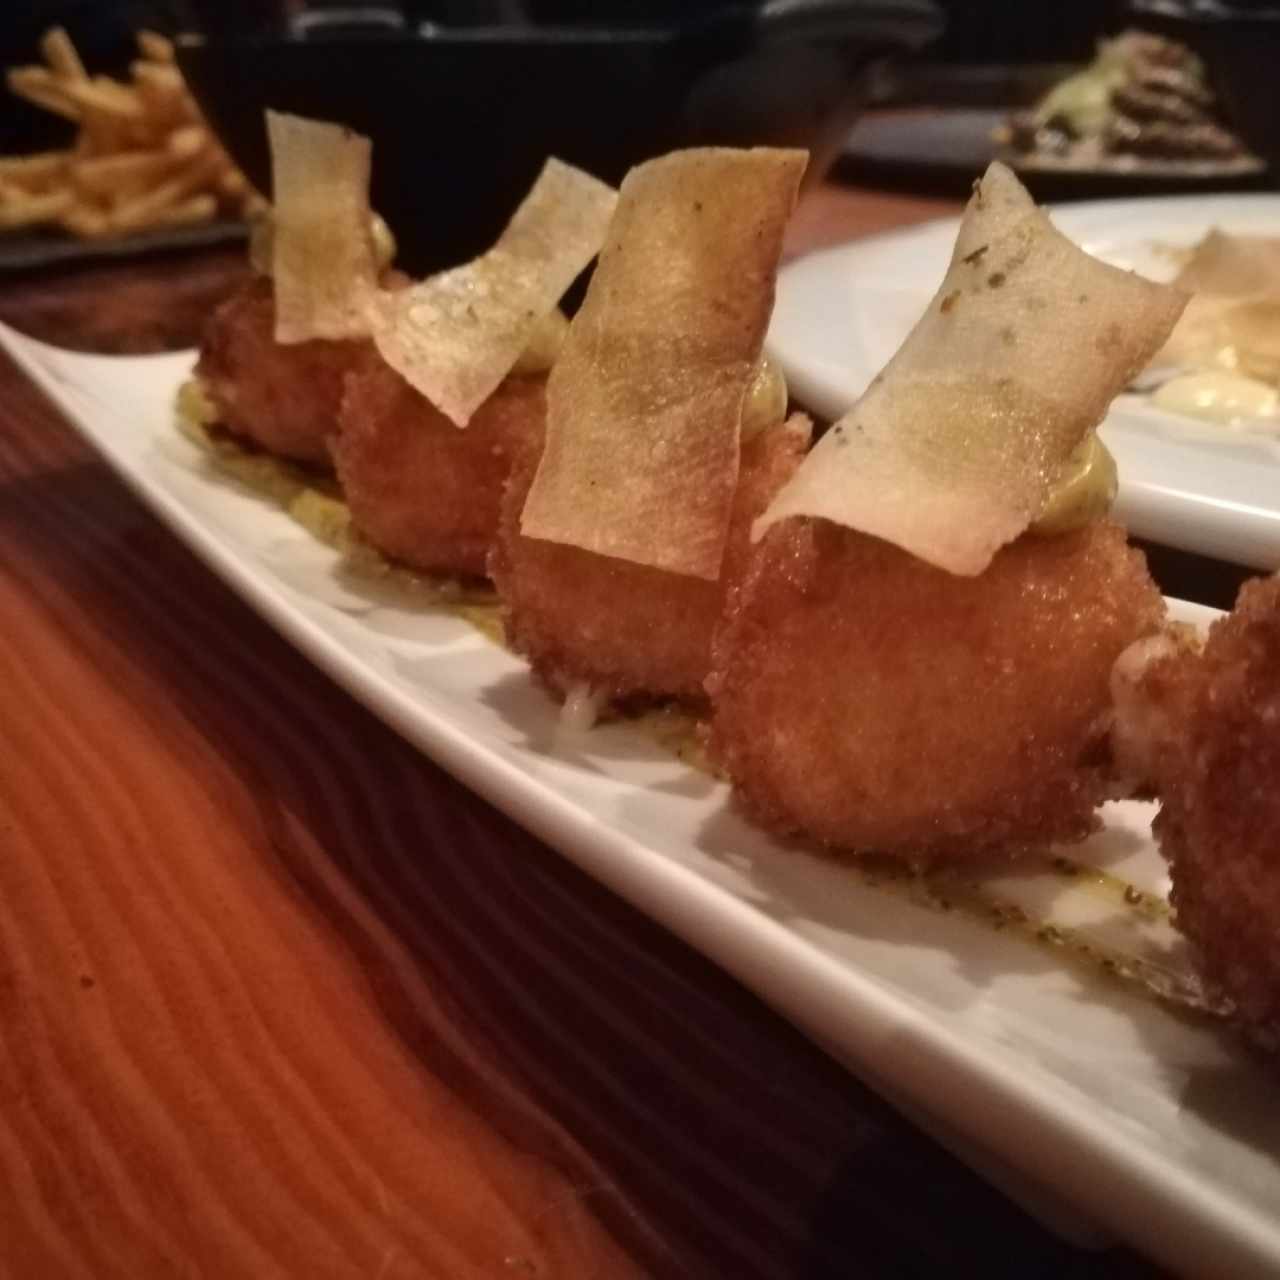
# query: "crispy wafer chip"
{"points": [[1219, 331], [645, 403], [1232, 265], [456, 335], [1233, 318], [954, 447], [323, 260]]}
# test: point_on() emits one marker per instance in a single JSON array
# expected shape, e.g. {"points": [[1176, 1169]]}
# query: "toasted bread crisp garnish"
{"points": [[323, 261], [456, 335], [645, 403], [953, 449]]}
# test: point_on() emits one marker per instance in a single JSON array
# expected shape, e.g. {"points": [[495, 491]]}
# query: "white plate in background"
{"points": [[842, 312], [1047, 1074]]}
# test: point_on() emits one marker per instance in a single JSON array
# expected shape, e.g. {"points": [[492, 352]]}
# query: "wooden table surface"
{"points": [[279, 998]]}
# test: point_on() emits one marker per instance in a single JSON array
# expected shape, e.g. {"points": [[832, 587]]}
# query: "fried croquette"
{"points": [[1217, 768], [876, 703], [282, 398], [627, 630], [422, 490]]}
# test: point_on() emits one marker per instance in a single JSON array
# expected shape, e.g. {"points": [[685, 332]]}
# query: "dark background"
{"points": [[979, 31]]}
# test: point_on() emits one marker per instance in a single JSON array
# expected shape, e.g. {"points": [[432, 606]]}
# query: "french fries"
{"points": [[143, 158]]}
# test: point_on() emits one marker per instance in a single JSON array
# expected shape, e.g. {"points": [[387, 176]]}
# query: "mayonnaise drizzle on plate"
{"points": [[1218, 395]]}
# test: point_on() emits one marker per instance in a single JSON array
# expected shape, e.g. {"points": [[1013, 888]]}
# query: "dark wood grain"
{"points": [[123, 306], [279, 998], [216, 1051]]}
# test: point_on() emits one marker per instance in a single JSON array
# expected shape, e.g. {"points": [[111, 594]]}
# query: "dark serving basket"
{"points": [[463, 118]]}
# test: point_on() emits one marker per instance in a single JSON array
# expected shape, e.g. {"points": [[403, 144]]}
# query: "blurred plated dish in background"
{"points": [[1182, 98], [1143, 104], [1239, 44], [142, 159]]}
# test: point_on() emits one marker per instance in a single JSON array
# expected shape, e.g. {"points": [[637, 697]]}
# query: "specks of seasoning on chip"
{"points": [[996, 279], [949, 301], [972, 259], [1110, 337]]}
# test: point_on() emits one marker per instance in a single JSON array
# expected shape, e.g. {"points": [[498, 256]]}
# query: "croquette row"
{"points": [[859, 696]]}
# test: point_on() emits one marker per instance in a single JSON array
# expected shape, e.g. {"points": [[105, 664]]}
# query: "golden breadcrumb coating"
{"points": [[1218, 777], [625, 629], [283, 398], [421, 489], [876, 703]]}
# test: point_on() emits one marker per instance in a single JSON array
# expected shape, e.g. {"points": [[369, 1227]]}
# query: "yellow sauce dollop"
{"points": [[1084, 492], [1218, 395], [766, 402]]}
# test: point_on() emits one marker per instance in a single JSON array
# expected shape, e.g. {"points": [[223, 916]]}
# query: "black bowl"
{"points": [[463, 119]]}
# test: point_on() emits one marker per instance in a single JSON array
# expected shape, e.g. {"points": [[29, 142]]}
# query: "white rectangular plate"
{"points": [[1152, 1123], [842, 312]]}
